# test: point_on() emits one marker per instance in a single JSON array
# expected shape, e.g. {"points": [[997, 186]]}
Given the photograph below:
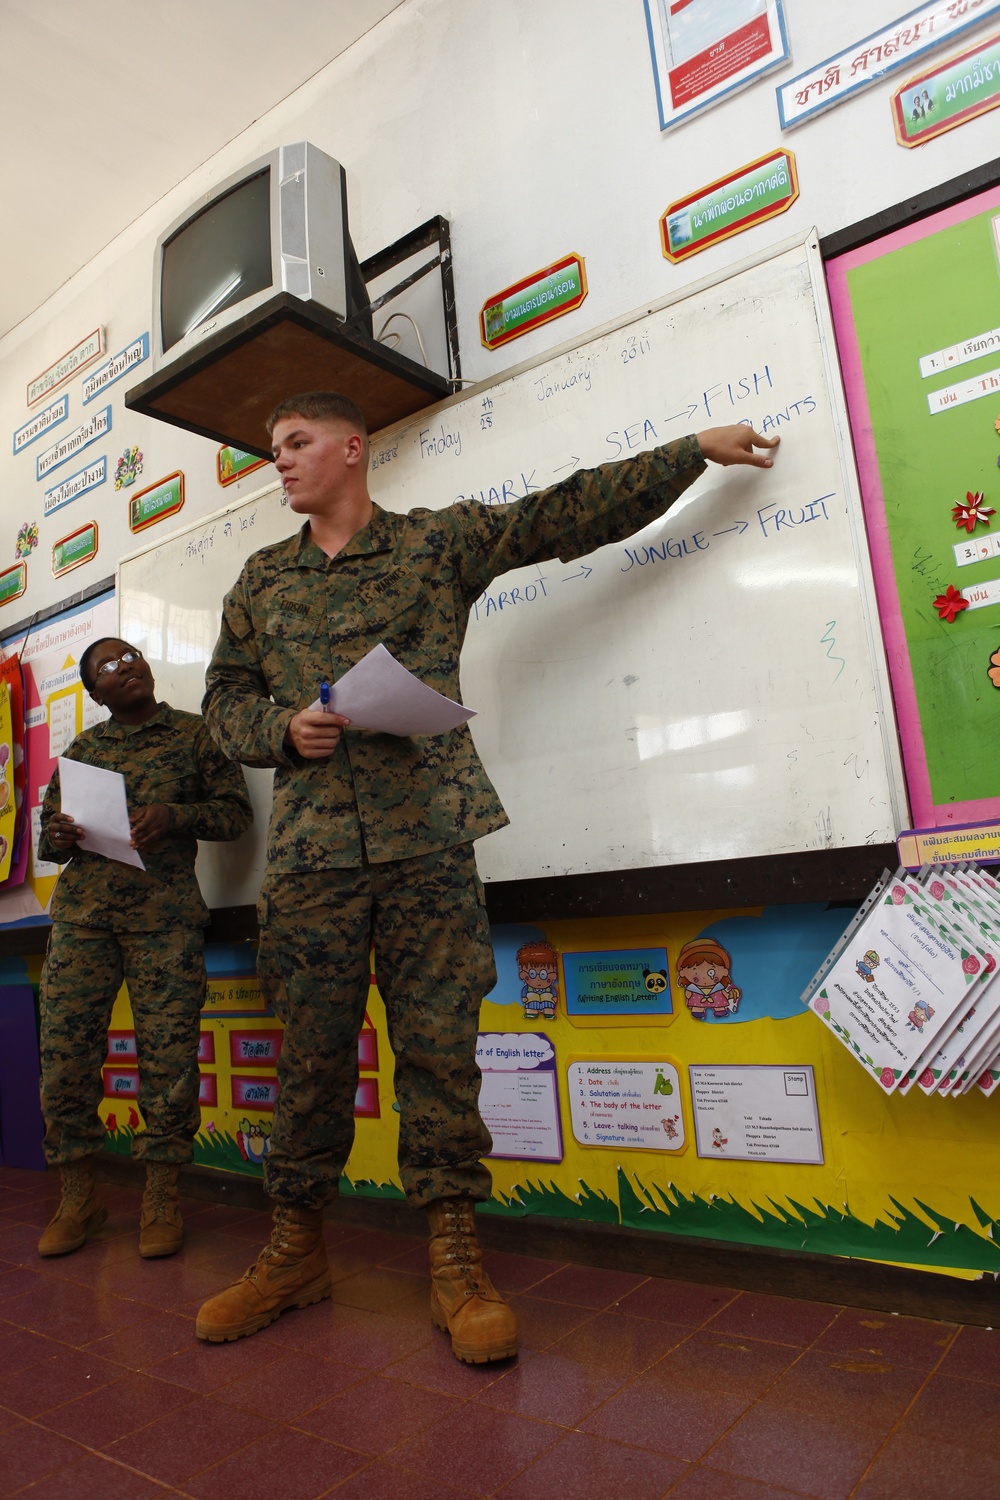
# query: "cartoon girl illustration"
{"points": [[703, 971], [538, 970]]}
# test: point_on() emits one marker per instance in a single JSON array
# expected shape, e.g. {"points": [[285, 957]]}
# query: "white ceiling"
{"points": [[105, 105]]}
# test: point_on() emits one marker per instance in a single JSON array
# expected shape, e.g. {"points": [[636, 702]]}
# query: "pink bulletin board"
{"points": [[917, 321]]}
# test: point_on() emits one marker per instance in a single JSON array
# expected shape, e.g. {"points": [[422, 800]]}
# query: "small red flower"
{"points": [[972, 511], [898, 895], [926, 1078], [888, 1078], [950, 604], [970, 965], [937, 890]]}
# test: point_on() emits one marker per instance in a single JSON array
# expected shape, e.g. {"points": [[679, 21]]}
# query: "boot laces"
{"points": [[462, 1246], [275, 1248], [76, 1183], [156, 1189]]}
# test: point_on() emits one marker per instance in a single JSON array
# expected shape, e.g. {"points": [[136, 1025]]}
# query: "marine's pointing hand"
{"points": [[735, 445]]}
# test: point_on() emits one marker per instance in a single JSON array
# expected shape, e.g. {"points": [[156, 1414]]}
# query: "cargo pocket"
{"points": [[269, 973]]}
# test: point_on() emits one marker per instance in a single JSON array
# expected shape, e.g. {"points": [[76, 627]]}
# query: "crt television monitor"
{"points": [[279, 225]]}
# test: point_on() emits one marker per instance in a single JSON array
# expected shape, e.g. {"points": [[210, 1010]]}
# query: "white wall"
{"points": [[532, 126]]}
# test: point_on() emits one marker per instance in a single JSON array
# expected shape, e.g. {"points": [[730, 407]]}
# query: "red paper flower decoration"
{"points": [[950, 604], [972, 511]]}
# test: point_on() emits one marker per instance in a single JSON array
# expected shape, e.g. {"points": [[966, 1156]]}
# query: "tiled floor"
{"points": [[628, 1388]]}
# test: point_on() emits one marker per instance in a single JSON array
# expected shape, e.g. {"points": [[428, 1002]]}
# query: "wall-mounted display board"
{"points": [[795, 1149], [917, 315], [708, 690], [56, 709]]}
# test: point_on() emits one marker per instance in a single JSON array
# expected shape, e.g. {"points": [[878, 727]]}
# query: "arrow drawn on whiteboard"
{"points": [[584, 572], [573, 463], [740, 526], [688, 411]]}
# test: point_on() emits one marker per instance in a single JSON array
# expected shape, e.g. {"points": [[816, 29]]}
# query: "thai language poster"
{"points": [[704, 49]]}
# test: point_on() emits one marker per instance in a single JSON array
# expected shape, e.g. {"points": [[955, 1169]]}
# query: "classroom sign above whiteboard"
{"points": [[707, 690]]}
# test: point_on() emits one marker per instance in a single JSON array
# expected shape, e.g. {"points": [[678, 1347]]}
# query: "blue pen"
{"points": [[324, 698]]}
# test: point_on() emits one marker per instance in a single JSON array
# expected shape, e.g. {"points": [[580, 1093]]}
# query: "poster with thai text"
{"points": [[702, 50]]}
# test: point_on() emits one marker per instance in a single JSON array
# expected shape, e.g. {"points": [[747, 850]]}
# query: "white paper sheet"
{"points": [[95, 799], [379, 693]]}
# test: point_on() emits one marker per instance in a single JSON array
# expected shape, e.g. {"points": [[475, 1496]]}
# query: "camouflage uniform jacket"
{"points": [[296, 617], [170, 759]]}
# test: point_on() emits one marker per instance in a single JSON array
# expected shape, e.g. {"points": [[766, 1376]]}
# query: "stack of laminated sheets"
{"points": [[913, 987]]}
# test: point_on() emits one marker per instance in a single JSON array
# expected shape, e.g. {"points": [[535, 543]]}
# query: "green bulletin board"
{"points": [[917, 317]]}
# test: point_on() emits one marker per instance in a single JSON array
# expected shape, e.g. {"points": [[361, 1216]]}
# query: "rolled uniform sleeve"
{"points": [[575, 517], [244, 721], [51, 804], [224, 811]]}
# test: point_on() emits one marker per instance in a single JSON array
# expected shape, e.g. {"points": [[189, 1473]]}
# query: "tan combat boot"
{"points": [[80, 1210], [161, 1228], [292, 1271], [464, 1302]]}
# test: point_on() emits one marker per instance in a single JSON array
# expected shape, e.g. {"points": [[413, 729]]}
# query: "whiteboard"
{"points": [[712, 688]]}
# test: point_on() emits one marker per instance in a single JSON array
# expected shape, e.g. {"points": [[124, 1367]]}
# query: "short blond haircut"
{"points": [[321, 406]]}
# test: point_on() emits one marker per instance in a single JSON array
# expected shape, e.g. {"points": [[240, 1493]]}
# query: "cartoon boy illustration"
{"points": [[703, 970], [866, 966], [719, 1141], [919, 1015], [538, 970]]}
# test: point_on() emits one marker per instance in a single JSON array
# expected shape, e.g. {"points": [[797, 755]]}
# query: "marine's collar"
{"points": [[375, 537], [114, 729]]}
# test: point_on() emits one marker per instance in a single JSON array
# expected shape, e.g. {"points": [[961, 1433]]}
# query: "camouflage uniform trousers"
{"points": [[433, 965], [83, 972]]}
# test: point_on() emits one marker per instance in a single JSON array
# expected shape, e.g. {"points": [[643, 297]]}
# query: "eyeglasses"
{"points": [[125, 660]]}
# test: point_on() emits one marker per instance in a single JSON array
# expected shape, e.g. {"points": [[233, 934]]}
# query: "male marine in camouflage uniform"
{"points": [[113, 921], [371, 835]]}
